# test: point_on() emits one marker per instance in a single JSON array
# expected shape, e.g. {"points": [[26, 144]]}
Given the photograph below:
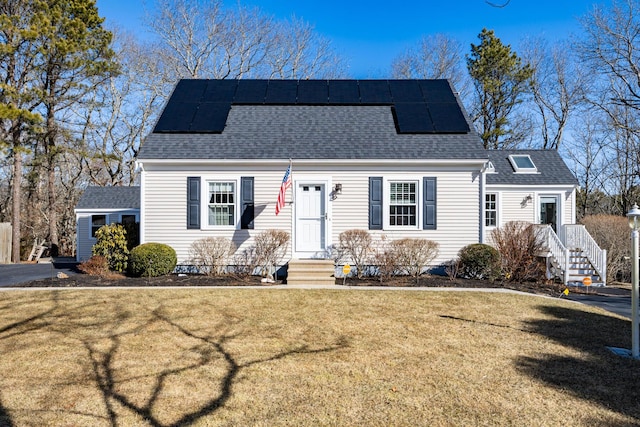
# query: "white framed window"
{"points": [[97, 221], [403, 203], [522, 163], [491, 210], [221, 203]]}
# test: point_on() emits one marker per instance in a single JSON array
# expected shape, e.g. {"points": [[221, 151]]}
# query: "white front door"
{"points": [[311, 216]]}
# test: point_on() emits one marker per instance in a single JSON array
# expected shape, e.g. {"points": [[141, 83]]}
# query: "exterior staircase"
{"points": [[573, 255], [311, 272]]}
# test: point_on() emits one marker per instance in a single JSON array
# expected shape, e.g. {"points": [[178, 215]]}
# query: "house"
{"points": [[100, 206], [399, 158]]}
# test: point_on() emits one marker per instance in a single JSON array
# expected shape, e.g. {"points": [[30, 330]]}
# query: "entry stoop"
{"points": [[311, 272]]}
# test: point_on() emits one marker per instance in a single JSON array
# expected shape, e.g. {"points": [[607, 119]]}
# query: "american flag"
{"points": [[286, 183]]}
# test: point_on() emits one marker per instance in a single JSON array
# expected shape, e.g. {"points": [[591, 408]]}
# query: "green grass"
{"points": [[269, 357]]}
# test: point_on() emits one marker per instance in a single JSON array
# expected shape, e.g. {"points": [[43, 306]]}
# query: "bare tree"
{"points": [[113, 120], [203, 39], [297, 51], [558, 88], [611, 51], [435, 57]]}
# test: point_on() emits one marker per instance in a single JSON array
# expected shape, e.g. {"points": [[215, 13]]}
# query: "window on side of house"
{"points": [[403, 203], [128, 219], [97, 221], [491, 209], [221, 203]]}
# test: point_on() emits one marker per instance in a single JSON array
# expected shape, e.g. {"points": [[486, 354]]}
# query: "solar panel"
{"points": [[220, 90], [176, 116], [405, 91], [344, 92], [251, 92], [448, 118], [210, 117], [374, 92], [313, 92], [437, 91], [282, 92], [413, 118], [189, 90]]}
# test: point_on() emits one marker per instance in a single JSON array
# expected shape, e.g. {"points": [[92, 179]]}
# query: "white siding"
{"points": [[164, 201]]}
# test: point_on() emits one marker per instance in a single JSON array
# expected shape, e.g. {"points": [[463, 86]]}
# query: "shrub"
{"points": [[519, 246], [112, 244], [479, 261], [356, 245], [612, 233], [270, 247], [152, 260], [386, 260], [210, 255], [97, 265], [413, 255]]}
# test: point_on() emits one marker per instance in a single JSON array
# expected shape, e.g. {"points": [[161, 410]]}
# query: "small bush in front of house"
{"points": [[152, 260], [111, 243], [356, 245], [210, 255], [97, 265], [385, 259], [270, 247], [414, 255], [519, 246], [479, 261]]}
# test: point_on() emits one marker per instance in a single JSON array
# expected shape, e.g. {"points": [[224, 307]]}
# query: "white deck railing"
{"points": [[576, 236], [559, 251]]}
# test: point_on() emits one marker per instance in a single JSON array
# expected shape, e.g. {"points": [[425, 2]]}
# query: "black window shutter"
{"points": [[193, 202], [246, 203], [429, 219], [375, 203]]}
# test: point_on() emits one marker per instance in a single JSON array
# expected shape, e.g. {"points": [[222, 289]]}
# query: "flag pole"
{"points": [[291, 174]]}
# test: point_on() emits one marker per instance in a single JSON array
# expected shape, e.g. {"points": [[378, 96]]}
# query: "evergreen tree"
{"points": [[500, 80]]}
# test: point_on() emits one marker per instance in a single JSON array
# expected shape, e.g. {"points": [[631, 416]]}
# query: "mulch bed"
{"points": [[85, 280]]}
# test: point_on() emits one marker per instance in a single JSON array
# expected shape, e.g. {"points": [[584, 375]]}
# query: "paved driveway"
{"points": [[618, 302], [14, 274]]}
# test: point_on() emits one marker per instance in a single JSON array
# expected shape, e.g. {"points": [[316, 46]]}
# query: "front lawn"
{"points": [[266, 357]]}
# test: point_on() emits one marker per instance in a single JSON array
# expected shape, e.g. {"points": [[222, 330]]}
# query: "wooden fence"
{"points": [[5, 243]]}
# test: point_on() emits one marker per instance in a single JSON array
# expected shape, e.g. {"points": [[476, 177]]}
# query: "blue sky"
{"points": [[370, 34]]}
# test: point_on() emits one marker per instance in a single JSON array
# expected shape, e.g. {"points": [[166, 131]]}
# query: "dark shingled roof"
{"points": [[552, 170], [362, 131], [110, 198]]}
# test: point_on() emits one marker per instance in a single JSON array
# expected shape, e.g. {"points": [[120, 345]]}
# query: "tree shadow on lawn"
{"points": [[212, 349], [105, 332], [599, 376]]}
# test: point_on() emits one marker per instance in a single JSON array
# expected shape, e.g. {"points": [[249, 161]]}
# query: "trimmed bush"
{"points": [[210, 254], [414, 255], [270, 247], [356, 245], [479, 261], [112, 244], [152, 260]]}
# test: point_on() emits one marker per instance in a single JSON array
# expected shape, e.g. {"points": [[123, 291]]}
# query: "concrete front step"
{"points": [[311, 272]]}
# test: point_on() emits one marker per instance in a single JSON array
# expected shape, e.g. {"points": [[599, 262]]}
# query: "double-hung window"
{"points": [[221, 203], [491, 210], [403, 203], [97, 221]]}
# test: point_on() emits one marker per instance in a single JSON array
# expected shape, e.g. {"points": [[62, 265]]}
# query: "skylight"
{"points": [[522, 163]]}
